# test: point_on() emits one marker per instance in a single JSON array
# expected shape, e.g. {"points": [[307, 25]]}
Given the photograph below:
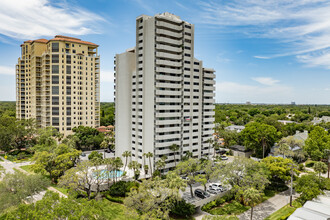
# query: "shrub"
{"points": [[115, 199], [301, 167], [121, 188], [218, 202], [182, 208], [310, 163]]}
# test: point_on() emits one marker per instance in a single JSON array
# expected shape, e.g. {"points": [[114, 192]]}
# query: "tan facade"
{"points": [[58, 83], [163, 94]]}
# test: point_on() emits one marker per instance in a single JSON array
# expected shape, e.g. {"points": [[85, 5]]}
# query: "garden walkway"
{"points": [[10, 168], [269, 206]]}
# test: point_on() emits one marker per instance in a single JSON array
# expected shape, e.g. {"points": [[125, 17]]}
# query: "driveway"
{"points": [[269, 206], [10, 166]]}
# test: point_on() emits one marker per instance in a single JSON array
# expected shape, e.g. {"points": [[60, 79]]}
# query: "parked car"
{"points": [[83, 154], [216, 187], [223, 157], [201, 194]]}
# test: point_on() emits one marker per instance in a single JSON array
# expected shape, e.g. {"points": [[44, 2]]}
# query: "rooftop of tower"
{"points": [[62, 38]]}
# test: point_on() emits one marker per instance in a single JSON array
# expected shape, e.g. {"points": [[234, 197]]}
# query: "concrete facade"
{"points": [[58, 83], [163, 95]]}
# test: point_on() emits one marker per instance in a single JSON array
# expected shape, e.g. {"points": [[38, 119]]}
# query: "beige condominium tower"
{"points": [[163, 95], [58, 83]]}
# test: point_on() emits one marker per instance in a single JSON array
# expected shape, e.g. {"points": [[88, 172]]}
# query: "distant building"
{"points": [[286, 122], [241, 151], [293, 103], [324, 119], [299, 136], [237, 128], [248, 103], [106, 129]]}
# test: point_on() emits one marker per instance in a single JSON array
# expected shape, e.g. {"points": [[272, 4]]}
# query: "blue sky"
{"points": [[263, 51]]}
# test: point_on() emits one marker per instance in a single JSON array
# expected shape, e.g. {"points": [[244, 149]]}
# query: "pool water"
{"points": [[112, 174]]}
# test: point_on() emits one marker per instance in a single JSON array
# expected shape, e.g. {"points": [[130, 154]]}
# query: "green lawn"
{"points": [[230, 208], [284, 211], [27, 168], [62, 190]]}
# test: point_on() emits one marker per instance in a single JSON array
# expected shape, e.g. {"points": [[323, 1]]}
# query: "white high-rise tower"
{"points": [[163, 95]]}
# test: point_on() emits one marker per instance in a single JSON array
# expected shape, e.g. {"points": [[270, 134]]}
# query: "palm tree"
{"points": [[126, 154], [104, 145], [160, 164], [252, 197], [174, 148], [215, 147], [135, 166], [150, 155], [320, 167], [117, 164]]}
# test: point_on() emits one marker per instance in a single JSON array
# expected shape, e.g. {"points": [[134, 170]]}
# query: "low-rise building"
{"points": [[237, 128], [241, 151]]}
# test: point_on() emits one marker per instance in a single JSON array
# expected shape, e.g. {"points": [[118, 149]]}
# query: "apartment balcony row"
{"points": [[169, 100], [208, 94], [167, 85], [167, 92], [208, 81], [168, 63], [209, 88], [168, 48], [166, 77], [168, 70], [168, 129], [208, 113], [166, 144], [209, 75], [168, 107], [211, 101], [169, 33], [168, 122], [208, 126], [169, 40], [168, 114], [175, 27], [168, 55]]}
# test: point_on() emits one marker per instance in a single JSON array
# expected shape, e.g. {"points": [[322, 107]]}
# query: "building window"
{"points": [[55, 79], [55, 69], [55, 90], [55, 58], [55, 121], [55, 47]]}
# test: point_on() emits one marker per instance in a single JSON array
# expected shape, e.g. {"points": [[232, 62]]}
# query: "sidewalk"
{"points": [[269, 206]]}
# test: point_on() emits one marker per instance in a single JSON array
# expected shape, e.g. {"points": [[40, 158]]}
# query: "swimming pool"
{"points": [[112, 174]]}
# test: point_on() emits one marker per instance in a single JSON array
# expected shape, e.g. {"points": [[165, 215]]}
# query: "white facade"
{"points": [[163, 95]]}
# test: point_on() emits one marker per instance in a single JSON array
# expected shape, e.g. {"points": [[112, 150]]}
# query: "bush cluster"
{"points": [[183, 209], [207, 207], [121, 188]]}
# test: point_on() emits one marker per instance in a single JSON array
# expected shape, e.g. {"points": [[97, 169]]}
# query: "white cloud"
{"points": [[302, 26], [234, 92], [31, 19], [7, 70], [268, 81], [261, 57]]}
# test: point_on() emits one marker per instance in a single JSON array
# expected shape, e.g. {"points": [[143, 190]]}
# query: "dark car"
{"points": [[201, 194], [83, 154]]}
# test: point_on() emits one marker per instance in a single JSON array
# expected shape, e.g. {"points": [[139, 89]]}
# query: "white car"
{"points": [[216, 186]]}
